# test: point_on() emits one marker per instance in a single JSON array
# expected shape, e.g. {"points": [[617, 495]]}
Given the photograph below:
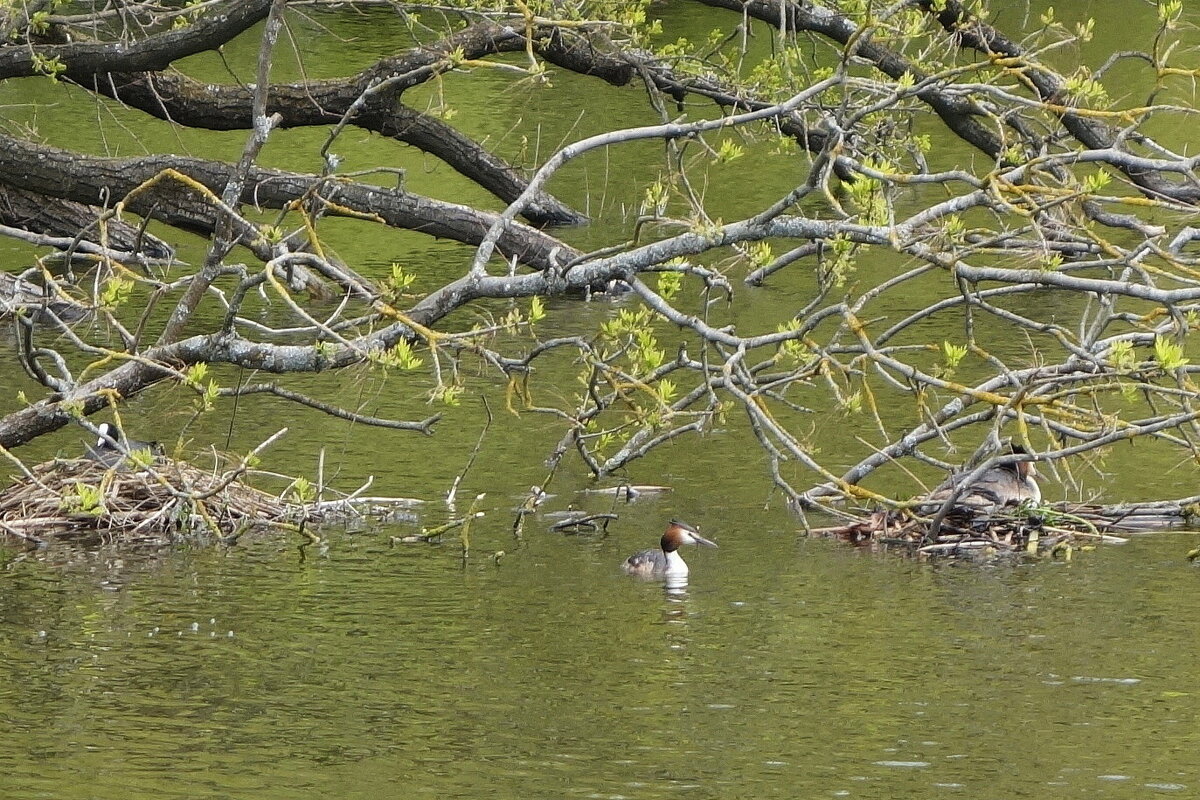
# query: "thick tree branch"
{"points": [[960, 114], [69, 223], [153, 52], [189, 102], [87, 179]]}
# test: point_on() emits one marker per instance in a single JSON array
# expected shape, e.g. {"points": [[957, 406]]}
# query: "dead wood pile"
{"points": [[171, 501], [1046, 530]]}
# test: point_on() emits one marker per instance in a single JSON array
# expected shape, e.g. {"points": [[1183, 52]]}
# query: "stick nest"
{"points": [[1047, 530], [172, 501]]}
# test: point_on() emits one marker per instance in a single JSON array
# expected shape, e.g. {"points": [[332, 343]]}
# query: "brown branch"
{"points": [[424, 426], [75, 223], [150, 53], [83, 178], [960, 115], [189, 102], [1051, 88]]}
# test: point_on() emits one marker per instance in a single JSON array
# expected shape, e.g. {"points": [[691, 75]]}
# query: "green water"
{"points": [[790, 667]]}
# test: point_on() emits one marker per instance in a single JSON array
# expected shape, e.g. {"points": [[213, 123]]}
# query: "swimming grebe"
{"points": [[999, 486], [666, 561]]}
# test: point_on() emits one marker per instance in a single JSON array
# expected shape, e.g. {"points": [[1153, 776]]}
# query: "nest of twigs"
{"points": [[164, 503], [1045, 530]]}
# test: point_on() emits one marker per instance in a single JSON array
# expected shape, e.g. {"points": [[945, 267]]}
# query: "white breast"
{"points": [[675, 564]]}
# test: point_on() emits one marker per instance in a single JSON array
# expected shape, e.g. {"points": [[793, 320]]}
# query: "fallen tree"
{"points": [[1068, 228]]}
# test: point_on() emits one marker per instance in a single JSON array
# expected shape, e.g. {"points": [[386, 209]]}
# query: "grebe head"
{"points": [[108, 436], [111, 446], [1025, 471], [680, 533], [1009, 484]]}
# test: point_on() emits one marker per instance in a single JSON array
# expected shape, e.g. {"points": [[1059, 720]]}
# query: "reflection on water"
{"points": [[782, 668], [676, 588]]}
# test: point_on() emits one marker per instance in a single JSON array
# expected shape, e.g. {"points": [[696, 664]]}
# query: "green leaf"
{"points": [[953, 354], [1168, 354], [537, 309]]}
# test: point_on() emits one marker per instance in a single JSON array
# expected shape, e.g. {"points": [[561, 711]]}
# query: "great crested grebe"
{"points": [[666, 561], [110, 449], [999, 486]]}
